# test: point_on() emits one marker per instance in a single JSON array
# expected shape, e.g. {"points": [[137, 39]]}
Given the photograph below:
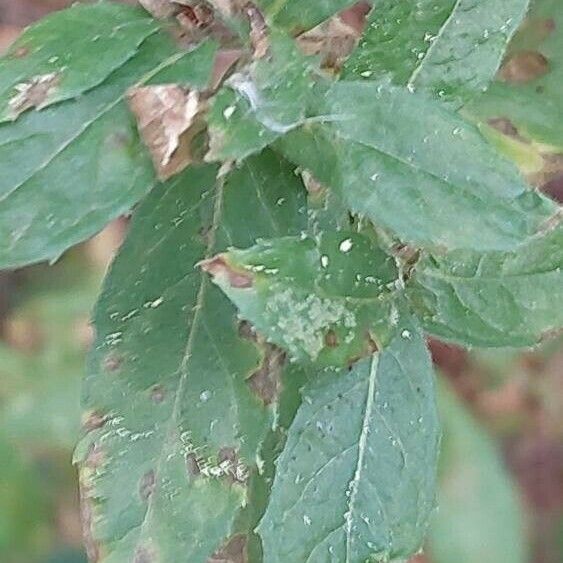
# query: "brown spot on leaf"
{"points": [[34, 93], [549, 176], [94, 420], [95, 457], [314, 188], [265, 382], [204, 232], [147, 485], [372, 344], [87, 518], [192, 465], [235, 550], [524, 66], [220, 269], [112, 363], [554, 188], [94, 460], [20, 53], [331, 339], [157, 394], [169, 117], [246, 331], [504, 125]]}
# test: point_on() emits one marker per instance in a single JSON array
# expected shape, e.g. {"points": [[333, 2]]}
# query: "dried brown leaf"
{"points": [[333, 40], [168, 119], [229, 8], [258, 31], [224, 62], [159, 8]]}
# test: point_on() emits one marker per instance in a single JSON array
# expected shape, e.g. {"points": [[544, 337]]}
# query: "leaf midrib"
{"points": [[439, 35], [171, 431]]}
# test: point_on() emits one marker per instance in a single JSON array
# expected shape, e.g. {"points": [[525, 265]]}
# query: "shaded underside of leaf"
{"points": [[329, 300], [451, 48], [410, 165], [356, 479], [78, 48], [70, 168], [495, 298], [173, 377]]}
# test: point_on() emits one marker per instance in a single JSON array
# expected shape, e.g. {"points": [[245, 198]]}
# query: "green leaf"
{"points": [[67, 170], [532, 100], [329, 299], [356, 479], [297, 16], [261, 103], [179, 398], [451, 48], [494, 298], [68, 53], [415, 168], [480, 517]]}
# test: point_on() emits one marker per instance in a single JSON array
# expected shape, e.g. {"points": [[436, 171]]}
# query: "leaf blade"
{"points": [[450, 48], [386, 168], [170, 371], [530, 99], [493, 299], [328, 299], [104, 36], [84, 164], [320, 461]]}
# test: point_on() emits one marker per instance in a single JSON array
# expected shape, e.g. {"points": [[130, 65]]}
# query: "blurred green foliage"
{"points": [[41, 366]]}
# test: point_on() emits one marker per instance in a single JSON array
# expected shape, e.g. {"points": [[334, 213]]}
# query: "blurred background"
{"points": [[501, 474]]}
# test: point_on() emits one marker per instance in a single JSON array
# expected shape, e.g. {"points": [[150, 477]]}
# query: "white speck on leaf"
{"points": [[346, 245], [228, 112]]}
